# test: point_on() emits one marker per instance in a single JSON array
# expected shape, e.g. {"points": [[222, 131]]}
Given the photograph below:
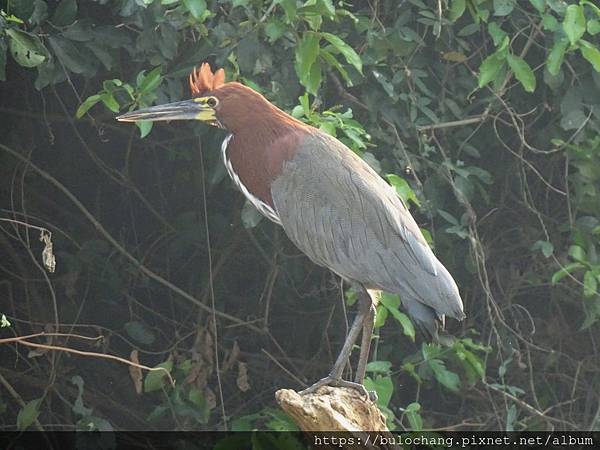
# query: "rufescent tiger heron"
{"points": [[330, 203]]}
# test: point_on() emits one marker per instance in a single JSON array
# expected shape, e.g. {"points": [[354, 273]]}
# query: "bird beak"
{"points": [[185, 110]]}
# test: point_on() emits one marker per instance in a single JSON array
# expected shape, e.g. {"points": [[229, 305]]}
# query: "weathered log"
{"points": [[336, 410]]}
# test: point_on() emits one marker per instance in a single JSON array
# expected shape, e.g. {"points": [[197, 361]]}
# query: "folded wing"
{"points": [[343, 216]]}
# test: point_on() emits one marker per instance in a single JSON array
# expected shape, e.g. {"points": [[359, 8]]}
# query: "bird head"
{"points": [[226, 105]]}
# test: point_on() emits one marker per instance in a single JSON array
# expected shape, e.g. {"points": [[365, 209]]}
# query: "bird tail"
{"points": [[430, 324]]}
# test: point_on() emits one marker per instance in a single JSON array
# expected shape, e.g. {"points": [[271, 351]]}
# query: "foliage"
{"points": [[482, 114]]}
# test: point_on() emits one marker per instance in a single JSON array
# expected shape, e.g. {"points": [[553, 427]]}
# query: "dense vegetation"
{"points": [[485, 116]]}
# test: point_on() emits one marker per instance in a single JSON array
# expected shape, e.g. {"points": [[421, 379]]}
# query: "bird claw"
{"points": [[338, 382]]}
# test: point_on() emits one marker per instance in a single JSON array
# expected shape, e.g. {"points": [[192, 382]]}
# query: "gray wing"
{"points": [[343, 216]]}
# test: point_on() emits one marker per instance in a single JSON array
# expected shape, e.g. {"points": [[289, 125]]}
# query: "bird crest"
{"points": [[204, 80]]}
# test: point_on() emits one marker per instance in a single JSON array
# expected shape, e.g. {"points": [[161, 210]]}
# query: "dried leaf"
{"points": [[4, 322], [211, 398], [48, 258], [36, 353], [232, 358], [136, 373], [454, 56], [242, 378], [203, 349], [198, 375]]}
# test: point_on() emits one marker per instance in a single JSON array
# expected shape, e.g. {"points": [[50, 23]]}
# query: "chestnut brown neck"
{"points": [[264, 137]]}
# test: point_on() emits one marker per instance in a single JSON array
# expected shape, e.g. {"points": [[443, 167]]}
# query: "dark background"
{"points": [[149, 234]]}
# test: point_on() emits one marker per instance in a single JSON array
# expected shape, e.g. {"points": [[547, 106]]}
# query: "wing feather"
{"points": [[339, 212]]}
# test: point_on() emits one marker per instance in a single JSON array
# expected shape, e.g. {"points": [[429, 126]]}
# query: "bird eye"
{"points": [[212, 101]]}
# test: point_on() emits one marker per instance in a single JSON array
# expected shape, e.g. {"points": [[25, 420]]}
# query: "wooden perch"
{"points": [[331, 409], [334, 409]]}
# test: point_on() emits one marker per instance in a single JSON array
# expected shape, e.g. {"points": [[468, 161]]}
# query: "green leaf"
{"points": [[591, 4], [101, 52], [347, 51], [327, 7], [333, 62], [403, 189], [511, 417], [274, 30], [195, 7], [12, 18], [79, 31], [522, 71], [556, 57], [590, 284], [489, 69], [196, 397], [305, 104], [546, 248], [145, 127], [140, 332], [539, 5], [591, 53], [448, 217], [68, 54], [593, 27], [25, 48], [110, 102], [40, 12], [307, 52], [413, 415], [444, 376], [243, 423], [314, 20], [577, 253], [86, 105], [468, 30], [574, 23], [569, 268], [379, 366], [457, 9], [65, 13], [392, 303], [28, 414], [380, 316], [497, 33], [280, 421], [502, 49], [17, 10], [290, 8], [150, 81], [78, 407], [384, 387], [503, 7], [549, 22], [2, 59], [314, 79], [155, 379], [476, 363]]}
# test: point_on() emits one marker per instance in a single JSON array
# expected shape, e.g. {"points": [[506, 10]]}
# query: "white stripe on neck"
{"points": [[262, 207]]}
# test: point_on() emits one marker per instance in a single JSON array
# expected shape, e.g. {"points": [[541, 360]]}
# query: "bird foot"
{"points": [[338, 382]]}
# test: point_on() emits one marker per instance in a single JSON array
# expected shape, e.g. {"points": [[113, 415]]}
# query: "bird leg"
{"points": [[364, 316], [365, 346]]}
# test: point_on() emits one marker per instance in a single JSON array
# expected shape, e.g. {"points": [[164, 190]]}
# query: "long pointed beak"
{"points": [[184, 110]]}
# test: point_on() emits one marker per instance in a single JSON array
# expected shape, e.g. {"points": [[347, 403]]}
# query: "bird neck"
{"points": [[258, 151]]}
